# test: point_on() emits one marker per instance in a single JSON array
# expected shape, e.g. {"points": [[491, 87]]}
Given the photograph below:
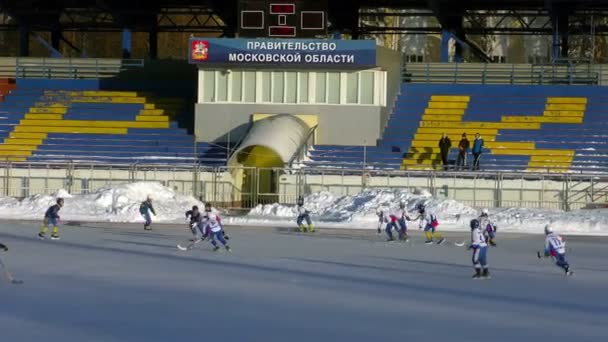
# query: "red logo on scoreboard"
{"points": [[199, 50]]}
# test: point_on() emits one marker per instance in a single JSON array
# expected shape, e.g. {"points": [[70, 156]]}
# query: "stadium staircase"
{"points": [[97, 126], [525, 128]]}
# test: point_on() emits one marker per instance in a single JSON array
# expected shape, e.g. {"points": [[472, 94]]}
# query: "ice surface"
{"points": [[109, 282]]}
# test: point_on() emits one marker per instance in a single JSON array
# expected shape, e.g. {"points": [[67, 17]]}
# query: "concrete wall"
{"points": [[390, 61], [338, 124]]}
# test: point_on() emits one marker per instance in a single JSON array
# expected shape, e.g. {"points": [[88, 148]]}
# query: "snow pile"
{"points": [[359, 211], [121, 204], [118, 203]]}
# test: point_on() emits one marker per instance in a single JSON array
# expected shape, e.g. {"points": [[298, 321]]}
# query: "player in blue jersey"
{"points": [[480, 250], [51, 219], [555, 247], [144, 209]]}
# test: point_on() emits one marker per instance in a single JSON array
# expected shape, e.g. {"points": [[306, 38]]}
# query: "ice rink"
{"points": [[111, 282]]}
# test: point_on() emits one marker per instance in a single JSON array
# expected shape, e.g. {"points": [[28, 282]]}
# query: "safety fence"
{"points": [[66, 68], [486, 73], [248, 187]]}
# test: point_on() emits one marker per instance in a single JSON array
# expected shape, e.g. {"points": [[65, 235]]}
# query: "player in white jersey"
{"points": [[213, 228], [402, 216], [487, 227], [428, 221], [480, 250], [555, 246], [304, 216]]}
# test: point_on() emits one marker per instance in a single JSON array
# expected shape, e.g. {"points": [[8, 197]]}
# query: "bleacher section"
{"points": [[525, 128], [98, 126]]}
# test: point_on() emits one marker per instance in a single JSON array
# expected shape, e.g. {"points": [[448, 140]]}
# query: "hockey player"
{"points": [[402, 216], [144, 209], [209, 209], [51, 219], [488, 227], [429, 223], [194, 217], [304, 215], [556, 247], [389, 221], [480, 249], [213, 228]]}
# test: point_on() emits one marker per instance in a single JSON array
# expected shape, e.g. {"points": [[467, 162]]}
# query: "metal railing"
{"points": [[219, 185], [485, 73], [73, 68]]}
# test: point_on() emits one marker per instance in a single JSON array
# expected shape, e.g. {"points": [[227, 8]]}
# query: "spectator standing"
{"points": [[444, 145], [477, 148], [463, 148]]}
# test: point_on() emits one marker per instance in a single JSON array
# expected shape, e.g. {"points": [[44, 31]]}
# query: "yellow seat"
{"points": [[448, 105], [456, 118], [19, 141], [570, 113], [541, 119], [569, 100], [15, 153], [48, 110], [450, 98], [444, 111], [458, 131], [44, 116], [17, 147], [27, 135], [157, 118], [565, 106]]}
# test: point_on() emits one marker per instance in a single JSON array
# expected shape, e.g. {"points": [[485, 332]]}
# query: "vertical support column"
{"points": [[55, 42], [55, 38], [153, 34], [126, 43], [24, 41], [445, 45], [458, 52], [560, 21], [563, 28]]}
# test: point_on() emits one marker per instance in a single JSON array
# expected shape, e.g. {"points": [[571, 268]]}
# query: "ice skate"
{"points": [[477, 274], [54, 236], [442, 240], [486, 274], [428, 242], [216, 248], [42, 236]]}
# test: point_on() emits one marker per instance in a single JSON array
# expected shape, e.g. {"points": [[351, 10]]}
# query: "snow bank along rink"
{"points": [[121, 204]]}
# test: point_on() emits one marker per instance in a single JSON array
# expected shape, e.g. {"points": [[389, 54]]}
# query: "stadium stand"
{"points": [[98, 126], [525, 128]]}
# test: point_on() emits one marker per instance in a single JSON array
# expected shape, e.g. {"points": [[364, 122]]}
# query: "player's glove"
{"points": [[3, 247]]}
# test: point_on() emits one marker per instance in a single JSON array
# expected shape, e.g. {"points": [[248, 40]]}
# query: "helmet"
{"points": [[149, 198], [60, 201], [208, 207], [484, 212], [379, 211], [548, 229], [421, 207], [402, 204], [300, 200], [474, 224], [195, 207]]}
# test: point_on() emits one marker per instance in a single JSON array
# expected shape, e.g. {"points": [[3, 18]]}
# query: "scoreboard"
{"points": [[282, 18]]}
